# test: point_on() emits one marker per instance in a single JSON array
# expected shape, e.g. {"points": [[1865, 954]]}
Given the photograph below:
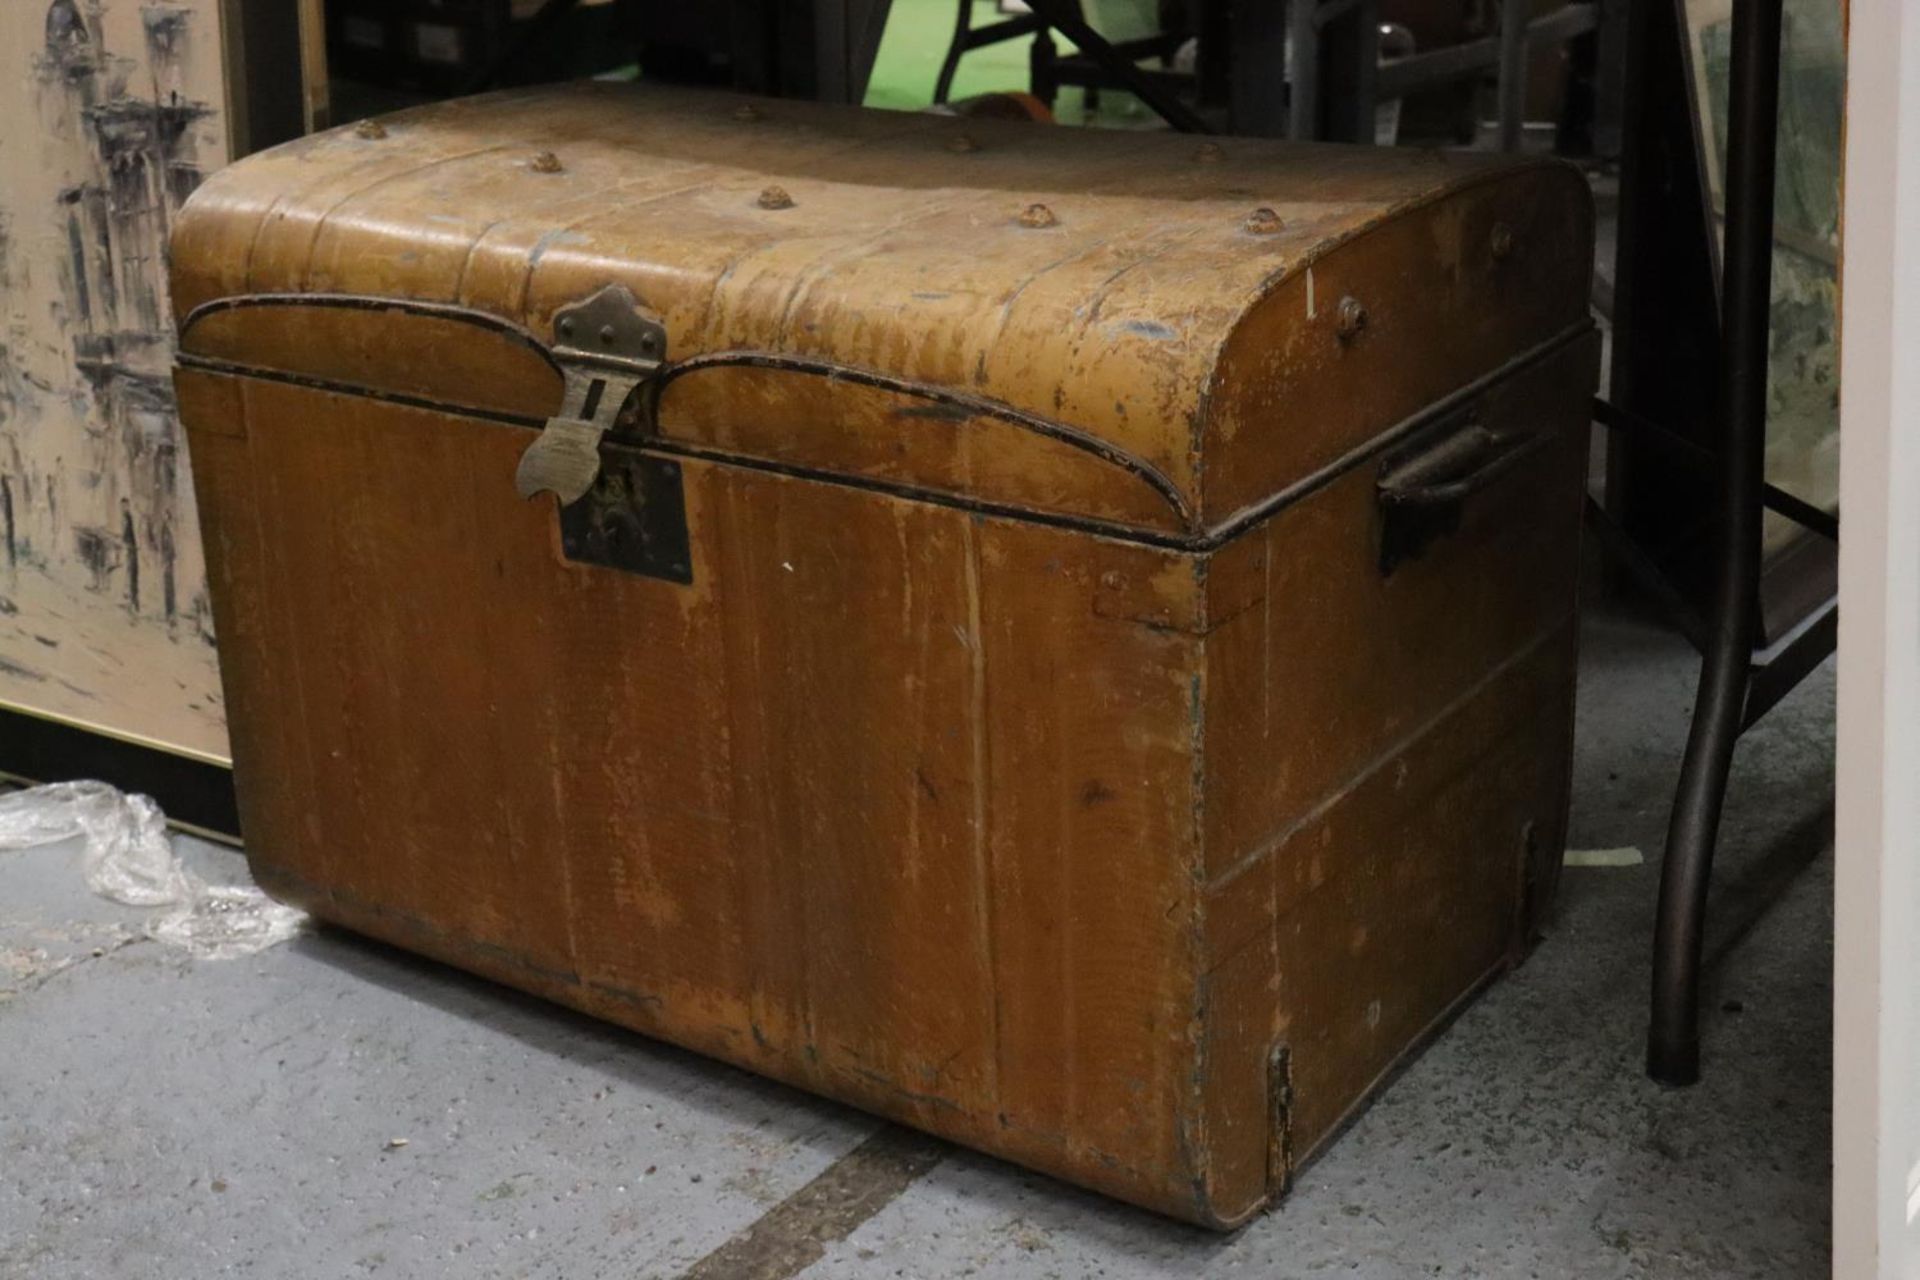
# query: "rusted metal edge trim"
{"points": [[266, 373], [1240, 521], [938, 497], [367, 302], [979, 406], [1280, 1107], [1193, 544]]}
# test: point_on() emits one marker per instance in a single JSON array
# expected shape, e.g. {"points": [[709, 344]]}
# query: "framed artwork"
{"points": [[118, 109]]}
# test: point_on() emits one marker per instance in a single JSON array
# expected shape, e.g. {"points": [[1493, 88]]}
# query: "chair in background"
{"points": [[967, 38], [1095, 65]]}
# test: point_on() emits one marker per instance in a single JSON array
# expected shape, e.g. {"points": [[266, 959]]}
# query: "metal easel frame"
{"points": [[1507, 52], [967, 38], [1334, 79], [1740, 679], [1065, 17]]}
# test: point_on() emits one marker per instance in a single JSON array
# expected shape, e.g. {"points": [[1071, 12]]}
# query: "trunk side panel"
{"points": [[1386, 777], [1321, 661], [1297, 385]]}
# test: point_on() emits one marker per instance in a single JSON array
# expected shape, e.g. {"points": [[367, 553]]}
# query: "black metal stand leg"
{"points": [[1064, 16], [537, 29], [963, 25], [1303, 73], [1673, 1041], [1349, 64], [1513, 72], [1042, 76]]}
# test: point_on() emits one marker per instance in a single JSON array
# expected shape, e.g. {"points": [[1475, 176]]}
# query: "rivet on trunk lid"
{"points": [[1263, 222], [1501, 242], [1350, 319]]}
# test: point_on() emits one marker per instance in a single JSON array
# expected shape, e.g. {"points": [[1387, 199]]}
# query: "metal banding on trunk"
{"points": [[638, 431]]}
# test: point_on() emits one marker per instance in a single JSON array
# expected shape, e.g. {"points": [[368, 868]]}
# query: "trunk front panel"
{"points": [[893, 801]]}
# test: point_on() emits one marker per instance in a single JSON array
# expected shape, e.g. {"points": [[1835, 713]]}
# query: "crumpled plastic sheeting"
{"points": [[129, 858]]}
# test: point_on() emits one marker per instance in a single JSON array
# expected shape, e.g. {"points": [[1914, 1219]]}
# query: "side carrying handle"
{"points": [[606, 346], [1424, 485]]}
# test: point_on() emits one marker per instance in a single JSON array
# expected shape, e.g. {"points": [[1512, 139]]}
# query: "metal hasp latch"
{"points": [[605, 346]]}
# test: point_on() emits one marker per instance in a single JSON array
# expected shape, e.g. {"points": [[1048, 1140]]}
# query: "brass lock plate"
{"points": [[633, 517], [606, 346]]}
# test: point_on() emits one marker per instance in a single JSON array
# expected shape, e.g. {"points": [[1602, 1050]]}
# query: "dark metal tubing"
{"points": [[1789, 662], [1349, 57], [1801, 512], [1673, 1038], [1464, 61], [1064, 16], [967, 38], [1513, 72], [1620, 546], [1772, 497], [1303, 77], [536, 29]]}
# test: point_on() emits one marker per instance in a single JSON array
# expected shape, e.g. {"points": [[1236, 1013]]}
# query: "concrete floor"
{"points": [[172, 1118]]}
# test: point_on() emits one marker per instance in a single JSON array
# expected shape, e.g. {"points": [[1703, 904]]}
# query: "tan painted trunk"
{"points": [[1093, 684]]}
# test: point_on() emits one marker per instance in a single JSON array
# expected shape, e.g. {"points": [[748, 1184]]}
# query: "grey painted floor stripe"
{"points": [[794, 1234]]}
